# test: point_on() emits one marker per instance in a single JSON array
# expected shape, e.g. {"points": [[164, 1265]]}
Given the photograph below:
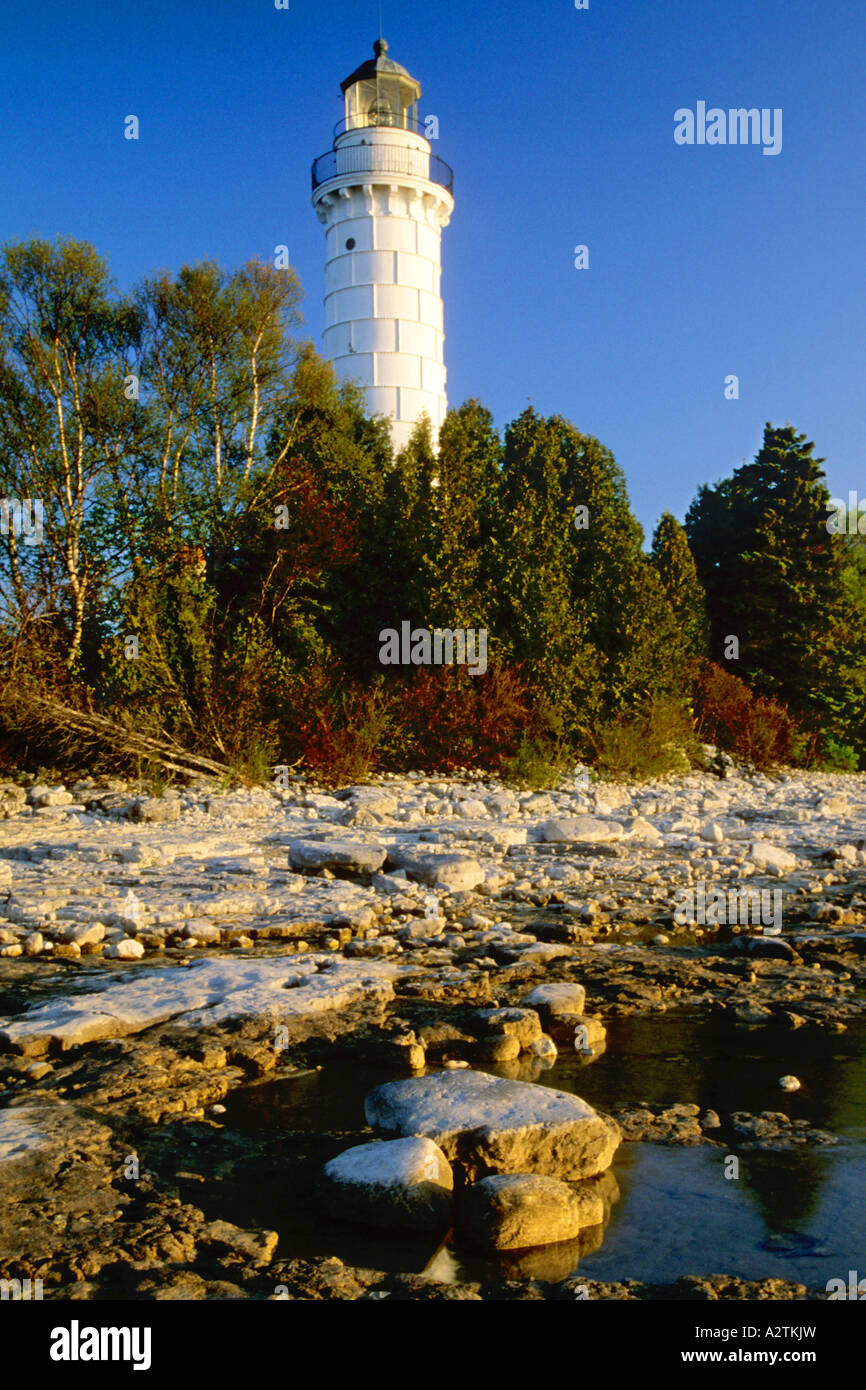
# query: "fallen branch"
{"points": [[35, 711]]}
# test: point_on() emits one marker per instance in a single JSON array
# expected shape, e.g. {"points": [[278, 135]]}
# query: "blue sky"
{"points": [[559, 123]]}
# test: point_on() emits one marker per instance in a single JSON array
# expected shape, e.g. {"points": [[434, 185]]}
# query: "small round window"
{"points": [[350, 244]]}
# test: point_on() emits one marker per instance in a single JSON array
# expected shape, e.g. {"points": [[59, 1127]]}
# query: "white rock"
{"points": [[41, 796], [580, 830], [401, 1183], [470, 809], [128, 949], [771, 858], [206, 992], [789, 1083], [556, 998], [713, 832], [494, 1125]]}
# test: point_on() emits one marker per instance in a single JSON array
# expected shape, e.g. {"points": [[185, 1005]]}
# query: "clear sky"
{"points": [[559, 124]]}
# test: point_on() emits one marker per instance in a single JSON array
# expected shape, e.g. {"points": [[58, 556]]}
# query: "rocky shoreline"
{"points": [[159, 953]]}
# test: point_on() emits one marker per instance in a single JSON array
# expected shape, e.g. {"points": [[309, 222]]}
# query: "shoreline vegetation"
{"points": [[222, 535]]}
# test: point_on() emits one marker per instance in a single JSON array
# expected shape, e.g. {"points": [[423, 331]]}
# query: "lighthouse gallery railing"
{"points": [[382, 159]]}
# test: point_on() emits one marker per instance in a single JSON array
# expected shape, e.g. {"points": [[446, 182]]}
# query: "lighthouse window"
{"points": [[350, 244]]}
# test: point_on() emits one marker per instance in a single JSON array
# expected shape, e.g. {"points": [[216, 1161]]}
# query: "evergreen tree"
{"points": [[674, 564], [577, 601], [773, 576]]}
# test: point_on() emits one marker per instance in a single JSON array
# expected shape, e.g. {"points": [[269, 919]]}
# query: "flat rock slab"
{"points": [[489, 1125], [348, 855], [206, 992], [402, 1184], [515, 1211], [580, 829], [22, 1132], [459, 872]]}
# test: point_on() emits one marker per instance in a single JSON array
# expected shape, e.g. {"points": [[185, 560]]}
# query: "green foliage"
{"points": [[539, 764], [656, 742], [774, 578], [839, 757], [240, 514], [675, 566]]}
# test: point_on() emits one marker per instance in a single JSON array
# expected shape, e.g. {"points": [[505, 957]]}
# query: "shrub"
{"points": [[839, 757], [340, 740], [759, 730], [767, 735], [540, 763], [654, 743], [449, 719]]}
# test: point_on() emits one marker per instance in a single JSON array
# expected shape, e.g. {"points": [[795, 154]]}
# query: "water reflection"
{"points": [[795, 1214]]}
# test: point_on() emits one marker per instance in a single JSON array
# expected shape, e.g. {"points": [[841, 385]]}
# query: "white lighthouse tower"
{"points": [[384, 198]]}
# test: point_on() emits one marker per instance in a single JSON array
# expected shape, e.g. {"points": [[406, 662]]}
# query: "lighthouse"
{"points": [[384, 197]]}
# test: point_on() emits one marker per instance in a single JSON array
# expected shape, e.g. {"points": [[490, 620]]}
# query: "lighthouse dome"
{"points": [[381, 92]]}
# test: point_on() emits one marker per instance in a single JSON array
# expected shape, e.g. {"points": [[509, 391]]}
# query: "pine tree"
{"points": [[674, 563], [773, 576]]}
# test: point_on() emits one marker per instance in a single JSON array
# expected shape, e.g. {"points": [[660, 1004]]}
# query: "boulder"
{"points": [[554, 999], [491, 1125], [579, 829], [127, 949], [402, 1184], [772, 857], [470, 809], [348, 855], [458, 872], [515, 1211], [156, 810], [523, 1024], [41, 795]]}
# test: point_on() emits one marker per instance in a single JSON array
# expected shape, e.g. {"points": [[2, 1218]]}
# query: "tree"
{"points": [[68, 435], [773, 576], [674, 563]]}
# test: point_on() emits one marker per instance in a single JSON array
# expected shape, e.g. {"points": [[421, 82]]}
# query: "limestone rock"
{"points": [[336, 854], [523, 1024], [552, 1000], [49, 796], [127, 949], [514, 1211], [155, 810], [490, 1125], [579, 829], [771, 857], [459, 872], [402, 1184]]}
